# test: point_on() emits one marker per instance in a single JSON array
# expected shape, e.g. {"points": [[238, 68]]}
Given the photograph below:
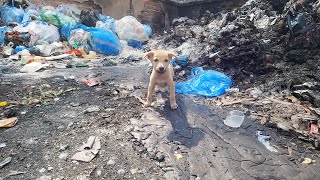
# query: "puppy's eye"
{"points": [[166, 60], [156, 60]]}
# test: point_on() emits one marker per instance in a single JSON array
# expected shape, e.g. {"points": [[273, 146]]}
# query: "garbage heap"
{"points": [[30, 31], [268, 45], [253, 43]]}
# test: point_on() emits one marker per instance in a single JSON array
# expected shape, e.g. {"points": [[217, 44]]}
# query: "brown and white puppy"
{"points": [[162, 75]]}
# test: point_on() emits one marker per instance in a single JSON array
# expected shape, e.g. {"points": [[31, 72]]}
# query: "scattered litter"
{"points": [[90, 82], [205, 83], [8, 122], [314, 129], [178, 156], [263, 120], [289, 151], [5, 162], [88, 150], [15, 173], [3, 103], [265, 141], [32, 67], [2, 145], [306, 161], [234, 119]]}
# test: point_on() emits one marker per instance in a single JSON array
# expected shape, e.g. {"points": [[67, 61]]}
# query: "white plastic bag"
{"points": [[41, 33], [130, 28]]}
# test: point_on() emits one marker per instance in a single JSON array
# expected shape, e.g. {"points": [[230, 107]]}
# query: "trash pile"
{"points": [[268, 49], [32, 34]]}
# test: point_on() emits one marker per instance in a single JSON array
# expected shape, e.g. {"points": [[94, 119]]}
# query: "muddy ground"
{"points": [[136, 143]]}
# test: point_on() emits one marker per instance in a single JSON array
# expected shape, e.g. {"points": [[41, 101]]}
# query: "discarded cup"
{"points": [[234, 119]]}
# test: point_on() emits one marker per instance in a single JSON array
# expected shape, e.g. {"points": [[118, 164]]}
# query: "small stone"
{"points": [[61, 127], [70, 124], [92, 109], [63, 156], [121, 171], [42, 170], [44, 178], [50, 168], [82, 177], [182, 73], [108, 120], [64, 147], [111, 162], [255, 93], [99, 172], [74, 104], [217, 61], [134, 171], [160, 157]]}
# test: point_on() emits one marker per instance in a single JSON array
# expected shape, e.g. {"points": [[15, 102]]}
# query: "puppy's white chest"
{"points": [[161, 81]]}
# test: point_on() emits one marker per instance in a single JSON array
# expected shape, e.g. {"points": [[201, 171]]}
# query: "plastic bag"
{"points": [[148, 29], [40, 32], [106, 22], [70, 10], [65, 31], [100, 40], [88, 18], [205, 83], [130, 28], [57, 19], [26, 18], [3, 30], [11, 14], [297, 23], [135, 44], [181, 61], [105, 42]]}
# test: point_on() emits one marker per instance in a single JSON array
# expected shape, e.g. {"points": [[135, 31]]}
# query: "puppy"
{"points": [[162, 75]]}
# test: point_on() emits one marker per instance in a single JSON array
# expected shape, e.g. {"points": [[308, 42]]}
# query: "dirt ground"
{"points": [[49, 133], [136, 143]]}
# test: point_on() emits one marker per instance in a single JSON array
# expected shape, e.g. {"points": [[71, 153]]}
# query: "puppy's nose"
{"points": [[161, 68]]}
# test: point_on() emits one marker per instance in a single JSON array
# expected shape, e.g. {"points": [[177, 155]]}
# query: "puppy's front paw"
{"points": [[174, 106], [147, 103]]}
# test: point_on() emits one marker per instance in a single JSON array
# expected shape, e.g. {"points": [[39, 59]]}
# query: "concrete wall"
{"points": [[119, 8], [114, 8]]}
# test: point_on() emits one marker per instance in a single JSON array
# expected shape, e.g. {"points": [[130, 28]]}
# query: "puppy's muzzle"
{"points": [[161, 70]]}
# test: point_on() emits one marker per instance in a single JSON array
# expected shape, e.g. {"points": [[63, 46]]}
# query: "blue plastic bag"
{"points": [[205, 83], [148, 29], [26, 18], [135, 44], [181, 61], [11, 14], [65, 31], [3, 30], [102, 41]]}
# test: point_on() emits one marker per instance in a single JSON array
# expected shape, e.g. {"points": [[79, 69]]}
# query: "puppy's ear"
{"points": [[171, 55], [149, 55]]}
